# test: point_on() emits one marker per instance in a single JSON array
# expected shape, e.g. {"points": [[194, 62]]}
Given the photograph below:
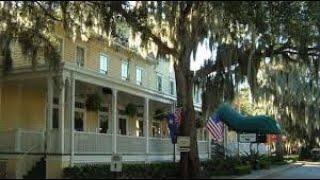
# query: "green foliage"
{"points": [[130, 171], [305, 153], [131, 110], [230, 166], [244, 169], [94, 102]]}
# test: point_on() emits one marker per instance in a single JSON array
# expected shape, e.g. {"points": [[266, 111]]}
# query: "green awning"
{"points": [[247, 124]]}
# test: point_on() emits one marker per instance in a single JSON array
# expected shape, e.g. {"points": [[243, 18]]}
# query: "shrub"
{"points": [[305, 153], [264, 164], [159, 170], [244, 169]]}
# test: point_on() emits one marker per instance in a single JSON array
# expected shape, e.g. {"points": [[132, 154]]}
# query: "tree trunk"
{"points": [[189, 163]]}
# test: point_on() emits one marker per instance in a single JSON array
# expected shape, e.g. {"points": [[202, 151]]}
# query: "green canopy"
{"points": [[251, 124]]}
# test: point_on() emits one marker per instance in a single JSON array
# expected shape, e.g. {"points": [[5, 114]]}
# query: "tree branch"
{"points": [[46, 12], [132, 19]]}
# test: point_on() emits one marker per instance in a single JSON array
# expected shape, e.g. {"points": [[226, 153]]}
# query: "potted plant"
{"points": [[131, 110], [94, 102], [159, 115]]}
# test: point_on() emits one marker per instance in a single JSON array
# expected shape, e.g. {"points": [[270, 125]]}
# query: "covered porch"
{"points": [[43, 110]]}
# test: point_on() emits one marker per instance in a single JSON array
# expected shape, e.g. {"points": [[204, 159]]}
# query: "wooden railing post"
{"points": [[17, 140]]}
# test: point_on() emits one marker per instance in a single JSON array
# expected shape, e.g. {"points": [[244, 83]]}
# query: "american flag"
{"points": [[215, 127], [178, 116]]}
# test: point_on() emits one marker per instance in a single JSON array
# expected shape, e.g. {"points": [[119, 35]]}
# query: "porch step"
{"points": [[38, 171]]}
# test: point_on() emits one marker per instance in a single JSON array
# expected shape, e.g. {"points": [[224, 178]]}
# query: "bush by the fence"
{"points": [[159, 170], [244, 169]]}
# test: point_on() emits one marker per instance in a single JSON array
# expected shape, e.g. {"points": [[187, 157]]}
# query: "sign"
{"points": [[247, 138], [116, 163], [184, 143]]}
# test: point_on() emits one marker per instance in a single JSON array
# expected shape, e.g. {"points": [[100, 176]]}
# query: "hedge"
{"points": [[102, 171]]}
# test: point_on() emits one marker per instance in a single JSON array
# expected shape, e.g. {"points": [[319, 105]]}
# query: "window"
{"points": [[80, 56], [103, 64], [197, 95], [159, 82], [139, 126], [156, 132], [125, 70], [103, 123], [123, 126], [139, 76], [171, 87], [78, 121], [55, 118], [79, 115]]}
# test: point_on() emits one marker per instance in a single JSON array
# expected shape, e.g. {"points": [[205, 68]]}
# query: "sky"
{"points": [[202, 54]]}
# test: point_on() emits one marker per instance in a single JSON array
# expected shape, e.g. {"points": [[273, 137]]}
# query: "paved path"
{"points": [[307, 171]]}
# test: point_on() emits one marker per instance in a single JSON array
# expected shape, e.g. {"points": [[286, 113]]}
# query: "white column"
{"points": [[71, 101], [114, 120], [50, 108], [146, 124], [61, 114]]}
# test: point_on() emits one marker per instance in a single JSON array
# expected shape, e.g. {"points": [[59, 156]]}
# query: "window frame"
{"points": [[160, 89], [101, 71], [80, 110], [127, 125], [141, 69], [84, 55], [172, 88], [107, 114], [127, 73]]}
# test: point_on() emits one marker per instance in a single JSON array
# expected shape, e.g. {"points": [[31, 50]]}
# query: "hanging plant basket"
{"points": [[159, 115], [199, 123], [131, 110], [94, 102]]}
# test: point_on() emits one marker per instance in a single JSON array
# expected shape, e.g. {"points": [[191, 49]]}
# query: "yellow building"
{"points": [[38, 109]]}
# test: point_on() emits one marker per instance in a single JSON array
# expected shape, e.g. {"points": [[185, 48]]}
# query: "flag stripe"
{"points": [[214, 130], [215, 127]]}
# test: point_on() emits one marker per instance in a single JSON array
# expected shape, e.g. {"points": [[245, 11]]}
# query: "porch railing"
{"points": [[89, 143], [160, 146], [131, 145], [92, 143]]}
